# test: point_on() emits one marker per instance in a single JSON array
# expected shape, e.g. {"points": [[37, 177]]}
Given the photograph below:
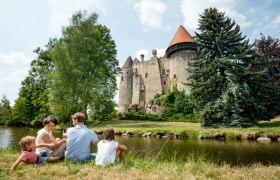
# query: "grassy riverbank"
{"points": [[133, 168], [191, 130]]}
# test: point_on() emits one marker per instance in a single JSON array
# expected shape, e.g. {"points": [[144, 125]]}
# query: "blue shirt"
{"points": [[78, 143]]}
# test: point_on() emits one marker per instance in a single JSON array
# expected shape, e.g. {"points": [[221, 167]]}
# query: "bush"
{"points": [[138, 116]]}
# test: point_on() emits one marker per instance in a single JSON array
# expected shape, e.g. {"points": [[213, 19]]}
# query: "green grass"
{"points": [[188, 129], [195, 167]]}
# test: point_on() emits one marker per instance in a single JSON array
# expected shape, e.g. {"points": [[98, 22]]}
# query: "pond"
{"points": [[230, 152]]}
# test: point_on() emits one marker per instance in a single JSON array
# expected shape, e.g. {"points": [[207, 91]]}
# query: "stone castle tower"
{"points": [[141, 80]]}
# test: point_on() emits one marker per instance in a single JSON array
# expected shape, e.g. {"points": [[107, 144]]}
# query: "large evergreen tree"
{"points": [[220, 72], [85, 68]]}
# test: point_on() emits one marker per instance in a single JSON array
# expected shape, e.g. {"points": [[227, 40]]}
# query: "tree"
{"points": [[267, 89], [5, 111], [85, 66], [220, 72], [32, 105]]}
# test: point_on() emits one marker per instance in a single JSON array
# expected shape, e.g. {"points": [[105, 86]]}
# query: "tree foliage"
{"points": [[267, 88], [176, 106], [85, 68], [220, 72], [5, 111], [32, 104]]}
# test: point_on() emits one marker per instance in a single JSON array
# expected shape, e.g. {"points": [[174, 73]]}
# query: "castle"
{"points": [[141, 80]]}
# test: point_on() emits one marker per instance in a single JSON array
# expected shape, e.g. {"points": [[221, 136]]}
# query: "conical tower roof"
{"points": [[128, 63], [181, 36], [181, 40]]}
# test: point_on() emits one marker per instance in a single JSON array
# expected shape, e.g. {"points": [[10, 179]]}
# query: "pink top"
{"points": [[28, 157]]}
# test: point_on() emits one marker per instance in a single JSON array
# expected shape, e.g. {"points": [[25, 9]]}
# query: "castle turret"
{"points": [[182, 40], [180, 51], [125, 92]]}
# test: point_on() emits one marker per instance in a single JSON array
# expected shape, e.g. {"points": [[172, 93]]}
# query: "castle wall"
{"points": [[143, 80], [178, 70], [152, 78], [125, 90], [136, 85]]}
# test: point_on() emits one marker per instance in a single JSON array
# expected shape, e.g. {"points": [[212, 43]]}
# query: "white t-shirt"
{"points": [[39, 139], [106, 152]]}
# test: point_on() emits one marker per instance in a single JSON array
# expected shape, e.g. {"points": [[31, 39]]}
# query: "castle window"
{"points": [[174, 76], [122, 78], [163, 71], [146, 75], [164, 83]]}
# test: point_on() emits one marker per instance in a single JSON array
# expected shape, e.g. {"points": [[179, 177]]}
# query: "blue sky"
{"points": [[137, 26]]}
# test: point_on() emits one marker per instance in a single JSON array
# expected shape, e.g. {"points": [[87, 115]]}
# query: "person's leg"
{"points": [[52, 159], [41, 159], [120, 155], [59, 151]]}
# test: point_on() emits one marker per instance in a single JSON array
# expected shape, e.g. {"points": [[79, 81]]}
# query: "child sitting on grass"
{"points": [[28, 154], [108, 150]]}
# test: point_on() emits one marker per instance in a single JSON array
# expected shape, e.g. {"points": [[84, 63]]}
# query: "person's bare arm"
{"points": [[51, 145], [48, 142], [15, 165]]}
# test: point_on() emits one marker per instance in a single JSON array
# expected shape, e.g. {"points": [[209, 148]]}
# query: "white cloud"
{"points": [[192, 10], [62, 10], [14, 68], [160, 52], [150, 13], [276, 21]]}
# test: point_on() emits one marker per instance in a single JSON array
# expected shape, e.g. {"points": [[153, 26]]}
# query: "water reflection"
{"points": [[230, 152], [5, 136]]}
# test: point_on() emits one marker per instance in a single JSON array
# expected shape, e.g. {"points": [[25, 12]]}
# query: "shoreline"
{"points": [[217, 136]]}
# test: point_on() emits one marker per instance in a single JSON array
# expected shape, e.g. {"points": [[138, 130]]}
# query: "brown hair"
{"points": [[27, 140], [79, 116], [53, 119], [50, 119], [108, 134]]}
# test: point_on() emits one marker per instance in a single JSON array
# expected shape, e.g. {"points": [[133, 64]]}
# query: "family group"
{"points": [[74, 147]]}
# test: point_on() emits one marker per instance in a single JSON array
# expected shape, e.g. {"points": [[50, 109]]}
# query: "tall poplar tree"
{"points": [[220, 72], [85, 68]]}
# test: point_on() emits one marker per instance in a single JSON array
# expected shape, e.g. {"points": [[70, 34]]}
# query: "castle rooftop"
{"points": [[182, 39], [128, 63]]}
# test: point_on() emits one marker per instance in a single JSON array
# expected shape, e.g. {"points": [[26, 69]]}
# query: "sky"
{"points": [[136, 26]]}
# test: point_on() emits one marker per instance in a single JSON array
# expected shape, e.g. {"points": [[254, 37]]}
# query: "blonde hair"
{"points": [[27, 140]]}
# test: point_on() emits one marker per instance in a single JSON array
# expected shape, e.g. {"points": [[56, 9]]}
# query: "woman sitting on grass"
{"points": [[28, 154], [56, 146], [108, 150]]}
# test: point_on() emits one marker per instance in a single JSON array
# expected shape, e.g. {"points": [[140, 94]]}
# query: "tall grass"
{"points": [[134, 167]]}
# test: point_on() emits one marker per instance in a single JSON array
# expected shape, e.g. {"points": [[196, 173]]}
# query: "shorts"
{"points": [[92, 156], [42, 157], [55, 154]]}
